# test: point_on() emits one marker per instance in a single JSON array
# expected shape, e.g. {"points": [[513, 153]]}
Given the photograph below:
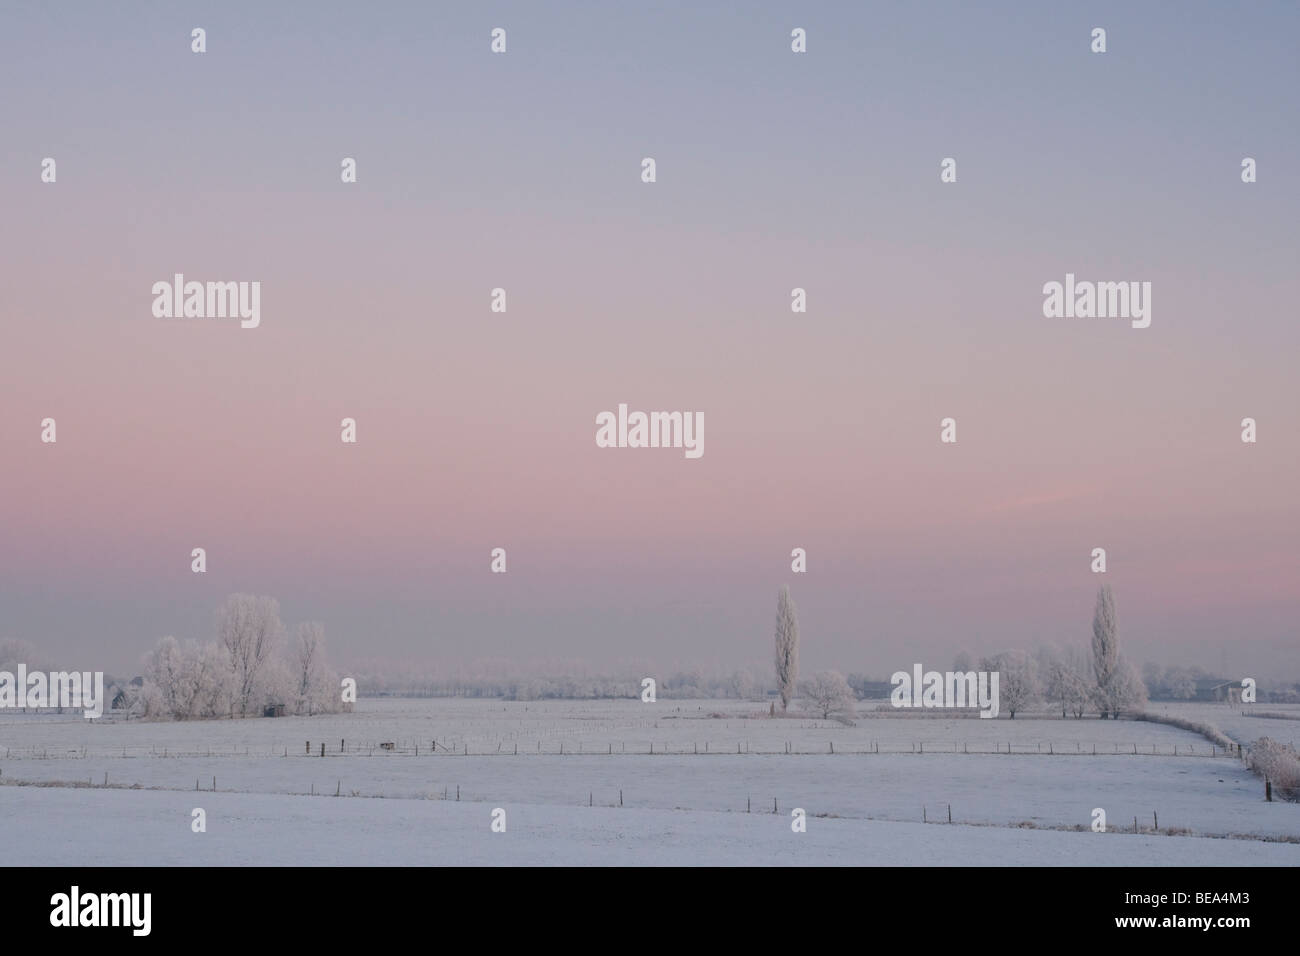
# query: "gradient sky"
{"points": [[775, 170]]}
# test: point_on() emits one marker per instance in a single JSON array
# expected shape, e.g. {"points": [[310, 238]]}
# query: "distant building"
{"points": [[273, 710], [874, 690], [1217, 689]]}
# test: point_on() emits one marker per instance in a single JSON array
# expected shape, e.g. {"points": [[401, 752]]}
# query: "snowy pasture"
{"points": [[672, 782], [115, 827]]}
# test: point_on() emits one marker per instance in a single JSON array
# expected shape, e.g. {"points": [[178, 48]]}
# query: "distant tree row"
{"points": [[675, 685]]}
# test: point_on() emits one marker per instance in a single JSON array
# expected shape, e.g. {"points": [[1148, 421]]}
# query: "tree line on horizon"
{"points": [[253, 664]]}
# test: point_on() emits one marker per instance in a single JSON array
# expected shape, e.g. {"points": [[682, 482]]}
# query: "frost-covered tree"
{"points": [[689, 685], [185, 681], [1180, 683], [828, 694], [310, 648], [1062, 681], [1055, 675], [1073, 689], [742, 684], [1277, 762], [166, 671], [1079, 684], [1125, 692], [1151, 676], [248, 668], [1105, 647], [961, 664], [787, 647], [277, 683], [212, 686], [248, 628], [13, 653], [1017, 679]]}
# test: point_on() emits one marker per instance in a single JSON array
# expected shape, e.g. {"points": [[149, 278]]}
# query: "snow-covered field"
{"points": [[115, 827], [685, 802]]}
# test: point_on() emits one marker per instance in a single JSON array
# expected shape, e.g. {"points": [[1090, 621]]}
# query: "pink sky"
{"points": [[476, 430]]}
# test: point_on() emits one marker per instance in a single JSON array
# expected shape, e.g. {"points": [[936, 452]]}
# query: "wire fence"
{"points": [[642, 748]]}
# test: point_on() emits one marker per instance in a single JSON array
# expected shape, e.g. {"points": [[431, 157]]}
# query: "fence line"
{"points": [[316, 750]]}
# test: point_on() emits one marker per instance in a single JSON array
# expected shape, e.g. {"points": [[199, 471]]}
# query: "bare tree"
{"points": [[248, 628], [787, 646], [311, 663], [828, 693], [1105, 648]]}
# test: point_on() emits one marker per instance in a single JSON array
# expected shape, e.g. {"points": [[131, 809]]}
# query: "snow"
{"points": [[678, 807], [124, 828]]}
